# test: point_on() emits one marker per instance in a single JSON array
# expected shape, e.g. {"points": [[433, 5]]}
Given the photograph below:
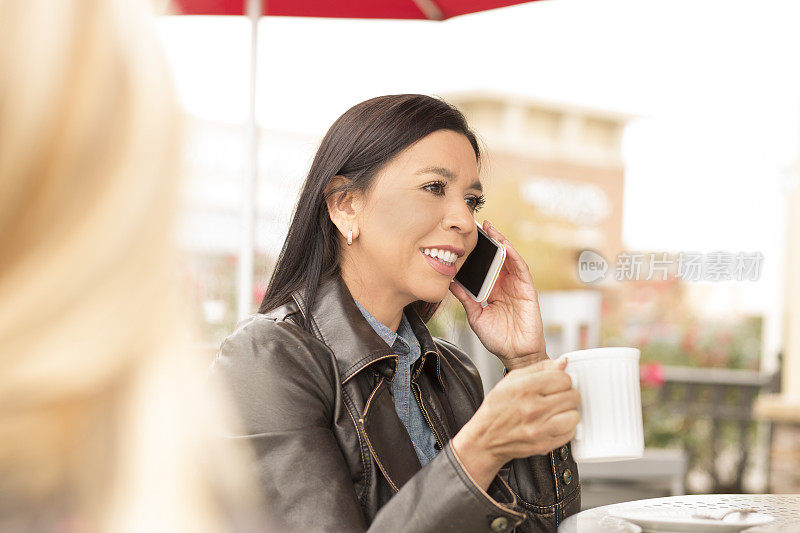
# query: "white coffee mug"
{"points": [[611, 407]]}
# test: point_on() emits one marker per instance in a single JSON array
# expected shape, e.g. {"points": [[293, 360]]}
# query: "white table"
{"points": [[784, 507]]}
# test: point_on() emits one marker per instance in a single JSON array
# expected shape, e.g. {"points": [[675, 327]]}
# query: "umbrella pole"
{"points": [[249, 196]]}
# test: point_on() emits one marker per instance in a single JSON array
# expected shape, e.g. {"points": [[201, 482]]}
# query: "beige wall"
{"points": [[558, 171], [606, 236]]}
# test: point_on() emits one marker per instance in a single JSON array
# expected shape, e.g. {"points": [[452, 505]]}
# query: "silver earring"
{"points": [[350, 237]]}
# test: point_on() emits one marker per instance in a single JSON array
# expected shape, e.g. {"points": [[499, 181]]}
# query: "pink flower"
{"points": [[652, 374]]}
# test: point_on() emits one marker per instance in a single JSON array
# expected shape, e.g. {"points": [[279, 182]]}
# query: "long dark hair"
{"points": [[357, 146]]}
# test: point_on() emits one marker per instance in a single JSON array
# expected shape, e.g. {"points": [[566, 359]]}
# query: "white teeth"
{"points": [[442, 255]]}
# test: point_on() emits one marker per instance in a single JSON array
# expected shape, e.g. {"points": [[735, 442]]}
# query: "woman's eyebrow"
{"points": [[447, 174]]}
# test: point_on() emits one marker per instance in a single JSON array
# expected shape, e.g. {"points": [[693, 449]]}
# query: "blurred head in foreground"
{"points": [[103, 415]]}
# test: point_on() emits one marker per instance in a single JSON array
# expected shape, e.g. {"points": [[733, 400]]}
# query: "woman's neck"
{"points": [[382, 303]]}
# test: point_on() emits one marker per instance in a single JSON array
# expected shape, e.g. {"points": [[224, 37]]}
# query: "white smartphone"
{"points": [[479, 272]]}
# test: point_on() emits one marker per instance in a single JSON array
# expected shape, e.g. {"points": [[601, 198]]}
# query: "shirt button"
{"points": [[563, 452], [567, 476], [499, 524]]}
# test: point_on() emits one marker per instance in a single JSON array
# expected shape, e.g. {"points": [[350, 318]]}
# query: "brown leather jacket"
{"points": [[331, 453]]}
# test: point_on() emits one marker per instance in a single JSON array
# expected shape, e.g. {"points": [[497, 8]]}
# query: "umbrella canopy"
{"points": [[386, 9]]}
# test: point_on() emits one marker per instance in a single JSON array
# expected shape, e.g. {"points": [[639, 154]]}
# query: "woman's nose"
{"points": [[459, 218]]}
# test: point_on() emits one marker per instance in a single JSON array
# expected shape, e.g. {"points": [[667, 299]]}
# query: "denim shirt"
{"points": [[405, 345]]}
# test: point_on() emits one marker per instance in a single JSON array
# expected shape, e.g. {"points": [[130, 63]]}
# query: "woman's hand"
{"points": [[531, 411], [510, 326]]}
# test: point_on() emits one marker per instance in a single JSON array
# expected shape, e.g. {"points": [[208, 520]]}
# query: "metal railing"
{"points": [[719, 435]]}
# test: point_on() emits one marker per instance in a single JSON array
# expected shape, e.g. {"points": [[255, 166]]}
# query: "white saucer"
{"points": [[680, 521]]}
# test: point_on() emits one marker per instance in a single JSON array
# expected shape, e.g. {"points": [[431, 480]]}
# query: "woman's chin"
{"points": [[433, 293]]}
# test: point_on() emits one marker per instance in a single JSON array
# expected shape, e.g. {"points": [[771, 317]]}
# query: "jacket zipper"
{"points": [[417, 393]]}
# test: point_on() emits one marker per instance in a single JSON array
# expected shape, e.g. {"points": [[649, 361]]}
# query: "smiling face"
{"points": [[425, 198]]}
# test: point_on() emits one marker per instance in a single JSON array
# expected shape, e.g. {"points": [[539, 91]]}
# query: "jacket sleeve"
{"points": [[547, 487], [285, 396]]}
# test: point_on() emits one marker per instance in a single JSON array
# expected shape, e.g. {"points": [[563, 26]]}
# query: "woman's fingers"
{"points": [[562, 423], [472, 307], [549, 381], [562, 438], [562, 401], [514, 261], [531, 411]]}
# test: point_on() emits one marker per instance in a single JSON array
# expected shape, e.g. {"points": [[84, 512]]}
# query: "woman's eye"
{"points": [[436, 187], [476, 202]]}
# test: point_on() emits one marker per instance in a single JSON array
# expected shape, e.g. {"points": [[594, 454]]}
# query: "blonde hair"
{"points": [[102, 406]]}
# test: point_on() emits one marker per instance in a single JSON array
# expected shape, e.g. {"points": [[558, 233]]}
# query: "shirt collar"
{"points": [[336, 320], [380, 328], [404, 334]]}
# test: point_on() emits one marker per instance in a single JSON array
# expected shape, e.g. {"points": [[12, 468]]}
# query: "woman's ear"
{"points": [[344, 205]]}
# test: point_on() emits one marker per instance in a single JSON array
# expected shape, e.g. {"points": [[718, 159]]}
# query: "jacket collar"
{"points": [[337, 321]]}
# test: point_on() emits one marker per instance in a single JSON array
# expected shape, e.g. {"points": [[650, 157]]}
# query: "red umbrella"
{"points": [[387, 9], [254, 9]]}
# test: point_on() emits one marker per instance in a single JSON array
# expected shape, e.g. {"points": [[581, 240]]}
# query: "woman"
{"points": [[358, 417], [103, 413]]}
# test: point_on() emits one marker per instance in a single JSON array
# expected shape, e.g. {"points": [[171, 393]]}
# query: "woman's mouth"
{"points": [[438, 260]]}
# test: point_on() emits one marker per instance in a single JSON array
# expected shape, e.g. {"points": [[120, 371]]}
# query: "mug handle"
{"points": [[578, 428]]}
